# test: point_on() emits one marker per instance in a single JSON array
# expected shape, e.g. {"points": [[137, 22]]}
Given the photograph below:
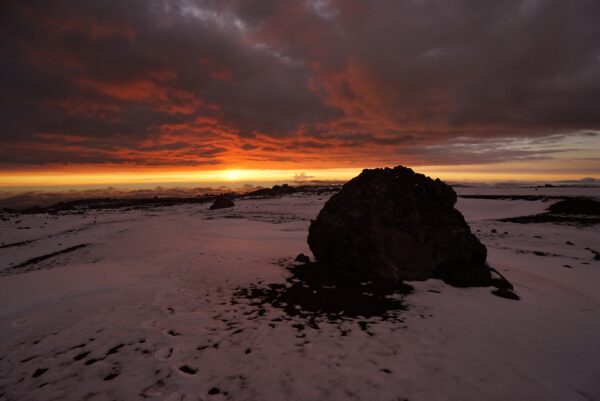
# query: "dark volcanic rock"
{"points": [[506, 293], [222, 203], [302, 258], [277, 190], [577, 206], [393, 224]]}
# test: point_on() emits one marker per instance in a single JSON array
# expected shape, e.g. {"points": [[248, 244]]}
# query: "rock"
{"points": [[577, 206], [276, 190], [569, 243], [393, 224], [214, 391], [506, 293], [33, 210], [499, 281], [221, 203], [302, 258]]}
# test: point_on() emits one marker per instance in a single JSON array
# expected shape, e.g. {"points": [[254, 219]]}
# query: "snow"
{"points": [[161, 283]]}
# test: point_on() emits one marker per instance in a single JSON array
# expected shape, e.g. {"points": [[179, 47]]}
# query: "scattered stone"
{"points": [[38, 372], [494, 231], [214, 391], [506, 293], [390, 225], [188, 369], [569, 243], [222, 202]]}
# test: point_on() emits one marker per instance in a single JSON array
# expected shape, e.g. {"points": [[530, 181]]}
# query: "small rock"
{"points": [[188, 369], [222, 202], [506, 293], [494, 231], [569, 243], [302, 258], [39, 372], [499, 281], [214, 391]]}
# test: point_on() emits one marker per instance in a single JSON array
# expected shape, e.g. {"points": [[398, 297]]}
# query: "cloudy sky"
{"points": [[306, 85]]}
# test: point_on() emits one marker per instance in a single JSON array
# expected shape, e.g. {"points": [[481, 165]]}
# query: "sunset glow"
{"points": [[195, 92]]}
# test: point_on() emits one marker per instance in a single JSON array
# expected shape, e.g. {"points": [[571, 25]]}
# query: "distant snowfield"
{"points": [[144, 310]]}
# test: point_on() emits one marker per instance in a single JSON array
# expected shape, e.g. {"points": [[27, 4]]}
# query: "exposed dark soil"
{"points": [[314, 292], [515, 197], [576, 211], [576, 206], [81, 205], [552, 218], [38, 259]]}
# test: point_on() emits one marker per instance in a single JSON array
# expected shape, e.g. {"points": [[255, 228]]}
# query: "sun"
{"points": [[232, 175]]}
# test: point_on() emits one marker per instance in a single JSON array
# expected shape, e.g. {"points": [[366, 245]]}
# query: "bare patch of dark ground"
{"points": [[576, 211], [316, 293], [82, 205], [27, 265]]}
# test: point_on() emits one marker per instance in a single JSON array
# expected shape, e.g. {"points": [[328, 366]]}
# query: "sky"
{"points": [[146, 92]]}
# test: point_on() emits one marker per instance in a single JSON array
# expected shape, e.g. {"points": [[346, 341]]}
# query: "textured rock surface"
{"points": [[393, 224], [222, 203]]}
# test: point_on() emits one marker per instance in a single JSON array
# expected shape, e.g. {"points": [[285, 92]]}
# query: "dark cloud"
{"points": [[184, 82]]}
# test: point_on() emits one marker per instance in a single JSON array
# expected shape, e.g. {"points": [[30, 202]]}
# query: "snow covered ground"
{"points": [[141, 306]]}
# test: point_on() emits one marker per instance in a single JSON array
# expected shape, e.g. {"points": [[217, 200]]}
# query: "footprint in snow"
{"points": [[164, 354], [181, 396], [19, 322], [149, 324], [171, 332]]}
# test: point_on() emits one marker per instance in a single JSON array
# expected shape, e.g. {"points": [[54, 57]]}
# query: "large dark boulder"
{"points": [[391, 225], [222, 202]]}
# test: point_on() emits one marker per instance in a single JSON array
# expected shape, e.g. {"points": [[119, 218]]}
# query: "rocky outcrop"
{"points": [[391, 225], [222, 202]]}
